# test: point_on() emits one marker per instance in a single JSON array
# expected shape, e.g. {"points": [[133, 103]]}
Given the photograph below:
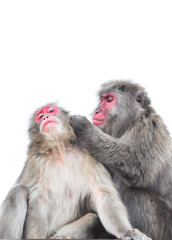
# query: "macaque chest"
{"points": [[67, 186]]}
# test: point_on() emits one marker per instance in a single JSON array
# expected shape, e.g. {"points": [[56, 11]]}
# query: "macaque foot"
{"points": [[76, 236], [135, 234], [63, 234], [79, 229]]}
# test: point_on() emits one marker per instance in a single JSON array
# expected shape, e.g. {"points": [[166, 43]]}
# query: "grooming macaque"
{"points": [[130, 139], [62, 190]]}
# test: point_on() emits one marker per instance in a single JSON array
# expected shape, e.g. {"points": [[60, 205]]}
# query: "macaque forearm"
{"points": [[113, 153], [116, 224]]}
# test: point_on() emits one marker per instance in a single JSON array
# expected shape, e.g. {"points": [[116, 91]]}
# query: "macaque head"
{"points": [[107, 102], [120, 104], [47, 119]]}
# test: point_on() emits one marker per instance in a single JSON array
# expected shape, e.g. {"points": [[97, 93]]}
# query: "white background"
{"points": [[52, 50]]}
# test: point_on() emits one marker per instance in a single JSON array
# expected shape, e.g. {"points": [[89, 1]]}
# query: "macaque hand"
{"points": [[82, 128]]}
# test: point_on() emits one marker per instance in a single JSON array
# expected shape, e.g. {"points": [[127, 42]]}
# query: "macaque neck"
{"points": [[51, 145]]}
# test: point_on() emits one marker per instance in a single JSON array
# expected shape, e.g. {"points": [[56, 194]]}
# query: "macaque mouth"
{"points": [[98, 121], [98, 118], [48, 123]]}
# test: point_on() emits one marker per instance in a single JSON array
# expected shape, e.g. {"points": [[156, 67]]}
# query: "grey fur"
{"points": [[64, 189], [136, 147], [13, 213]]}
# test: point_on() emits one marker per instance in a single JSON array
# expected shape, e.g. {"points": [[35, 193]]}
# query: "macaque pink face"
{"points": [[107, 101], [46, 117]]}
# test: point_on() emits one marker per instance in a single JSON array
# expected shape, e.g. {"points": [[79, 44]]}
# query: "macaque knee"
{"points": [[13, 213], [16, 195], [92, 217]]}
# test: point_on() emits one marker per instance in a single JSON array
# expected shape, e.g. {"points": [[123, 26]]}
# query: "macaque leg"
{"points": [[113, 216], [13, 213], [36, 225], [112, 213], [81, 228]]}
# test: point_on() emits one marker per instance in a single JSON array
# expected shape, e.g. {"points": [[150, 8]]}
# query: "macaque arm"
{"points": [[79, 229], [36, 225], [110, 209], [108, 205], [115, 154], [12, 213]]}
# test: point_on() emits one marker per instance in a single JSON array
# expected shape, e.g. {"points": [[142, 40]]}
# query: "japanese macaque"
{"points": [[131, 140], [62, 190]]}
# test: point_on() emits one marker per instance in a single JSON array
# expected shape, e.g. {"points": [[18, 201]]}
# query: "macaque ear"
{"points": [[142, 99]]}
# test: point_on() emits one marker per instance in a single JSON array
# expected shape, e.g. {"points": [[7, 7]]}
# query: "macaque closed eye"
{"points": [[110, 98], [107, 98]]}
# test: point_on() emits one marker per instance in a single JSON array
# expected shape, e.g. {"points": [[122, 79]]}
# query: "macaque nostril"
{"points": [[45, 117]]}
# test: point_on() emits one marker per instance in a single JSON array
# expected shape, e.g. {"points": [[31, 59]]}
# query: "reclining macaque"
{"points": [[62, 189]]}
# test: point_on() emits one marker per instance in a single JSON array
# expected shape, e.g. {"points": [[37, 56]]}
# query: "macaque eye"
{"points": [[110, 99], [51, 110], [40, 115]]}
